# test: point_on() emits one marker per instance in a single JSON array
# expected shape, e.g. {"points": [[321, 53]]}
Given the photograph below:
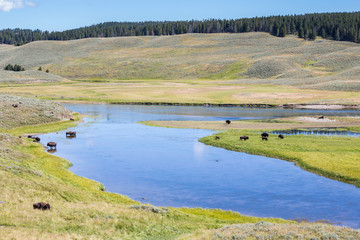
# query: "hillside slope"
{"points": [[246, 57]]}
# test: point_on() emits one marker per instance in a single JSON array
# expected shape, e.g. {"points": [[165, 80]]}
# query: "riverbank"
{"points": [[80, 208], [332, 157]]}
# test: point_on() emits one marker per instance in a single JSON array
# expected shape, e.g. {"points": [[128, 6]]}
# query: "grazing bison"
{"points": [[30, 136], [41, 206], [71, 134], [281, 136], [36, 139], [217, 137], [265, 134], [51, 144], [321, 117], [228, 121], [264, 138], [244, 138]]}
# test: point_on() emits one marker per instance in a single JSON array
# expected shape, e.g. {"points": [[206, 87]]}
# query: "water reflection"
{"points": [[169, 167], [51, 150]]}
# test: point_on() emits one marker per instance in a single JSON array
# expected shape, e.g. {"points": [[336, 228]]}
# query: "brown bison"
{"points": [[71, 134], [36, 139], [14, 105], [72, 119], [228, 121], [51, 144], [41, 206], [264, 138], [321, 117], [281, 136], [265, 134], [244, 138], [217, 137]]}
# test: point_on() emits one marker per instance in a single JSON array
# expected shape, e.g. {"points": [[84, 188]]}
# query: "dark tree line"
{"points": [[336, 26]]}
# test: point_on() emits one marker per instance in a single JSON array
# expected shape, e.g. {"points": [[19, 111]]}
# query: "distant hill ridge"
{"points": [[334, 26], [245, 58]]}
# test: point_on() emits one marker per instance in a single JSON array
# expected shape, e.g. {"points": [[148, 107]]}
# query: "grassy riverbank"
{"points": [[333, 157], [80, 208]]}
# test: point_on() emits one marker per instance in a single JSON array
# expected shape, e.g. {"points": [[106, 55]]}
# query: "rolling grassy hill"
{"points": [[246, 58]]}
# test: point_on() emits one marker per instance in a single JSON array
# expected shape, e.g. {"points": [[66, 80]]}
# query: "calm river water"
{"points": [[169, 167]]}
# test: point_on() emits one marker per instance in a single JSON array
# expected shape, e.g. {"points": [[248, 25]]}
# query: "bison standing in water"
{"points": [[244, 138], [71, 134], [51, 144]]}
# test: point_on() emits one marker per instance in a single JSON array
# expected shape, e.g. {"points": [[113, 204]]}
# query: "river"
{"points": [[169, 167]]}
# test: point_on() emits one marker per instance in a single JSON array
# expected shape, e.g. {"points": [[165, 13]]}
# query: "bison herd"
{"points": [[264, 136], [52, 145]]}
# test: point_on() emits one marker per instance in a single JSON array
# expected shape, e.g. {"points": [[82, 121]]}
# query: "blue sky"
{"points": [[58, 15]]}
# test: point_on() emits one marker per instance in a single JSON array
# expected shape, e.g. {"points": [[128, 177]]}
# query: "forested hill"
{"points": [[336, 26]]}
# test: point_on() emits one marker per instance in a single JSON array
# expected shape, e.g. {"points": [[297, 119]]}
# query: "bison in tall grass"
{"points": [[41, 206], [244, 138]]}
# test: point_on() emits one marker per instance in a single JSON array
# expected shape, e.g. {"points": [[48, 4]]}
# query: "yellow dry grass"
{"points": [[182, 91]]}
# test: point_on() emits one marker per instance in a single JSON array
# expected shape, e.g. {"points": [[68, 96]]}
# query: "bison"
{"points": [[321, 117], [244, 138], [71, 134], [36, 139], [51, 144], [281, 136], [41, 206], [264, 138], [228, 121], [265, 134], [14, 105], [72, 119], [217, 137]]}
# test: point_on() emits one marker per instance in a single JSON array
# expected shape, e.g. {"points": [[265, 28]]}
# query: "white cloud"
{"points": [[8, 5]]}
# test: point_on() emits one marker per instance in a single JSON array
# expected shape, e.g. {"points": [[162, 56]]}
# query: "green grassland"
{"points": [[334, 157]]}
